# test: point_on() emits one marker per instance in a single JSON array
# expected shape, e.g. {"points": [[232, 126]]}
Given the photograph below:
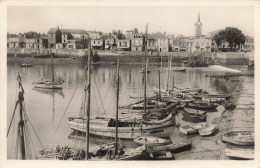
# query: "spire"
{"points": [[199, 17]]}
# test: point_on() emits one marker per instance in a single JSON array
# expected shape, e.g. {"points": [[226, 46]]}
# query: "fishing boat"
{"points": [[239, 137], [26, 65], [198, 126], [150, 141], [208, 130], [201, 105], [229, 105], [240, 153], [49, 83], [125, 128], [194, 115], [174, 147], [180, 69]]}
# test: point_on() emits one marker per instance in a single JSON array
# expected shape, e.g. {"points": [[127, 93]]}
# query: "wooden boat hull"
{"points": [[174, 147], [208, 130], [201, 106], [187, 130], [151, 141], [48, 86], [240, 153], [179, 69], [239, 137], [190, 115], [100, 128], [26, 65], [161, 155]]}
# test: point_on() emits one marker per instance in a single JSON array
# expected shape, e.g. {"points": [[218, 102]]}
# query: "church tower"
{"points": [[198, 24]]}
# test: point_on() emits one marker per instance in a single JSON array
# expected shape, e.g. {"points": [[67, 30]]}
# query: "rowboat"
{"points": [[173, 147], [181, 69], [239, 137], [201, 105], [150, 141], [213, 99], [198, 126], [139, 153], [240, 153], [229, 105], [187, 130], [194, 115], [208, 130], [26, 65], [161, 155]]}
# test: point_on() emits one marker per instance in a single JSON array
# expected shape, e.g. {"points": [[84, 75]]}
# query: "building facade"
{"points": [[163, 44], [202, 44], [124, 44], [97, 44], [137, 42]]}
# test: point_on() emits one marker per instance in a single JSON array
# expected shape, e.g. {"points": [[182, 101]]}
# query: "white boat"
{"points": [[213, 99], [150, 141], [240, 153], [127, 129], [49, 83], [198, 126], [181, 69], [239, 137], [187, 130], [208, 130]]}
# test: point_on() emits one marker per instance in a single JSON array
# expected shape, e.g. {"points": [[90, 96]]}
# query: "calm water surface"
{"points": [[46, 108]]}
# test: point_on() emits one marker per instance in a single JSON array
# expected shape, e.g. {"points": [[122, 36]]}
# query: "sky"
{"points": [[170, 19]]}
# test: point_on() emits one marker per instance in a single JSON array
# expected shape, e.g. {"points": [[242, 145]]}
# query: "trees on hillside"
{"points": [[233, 36]]}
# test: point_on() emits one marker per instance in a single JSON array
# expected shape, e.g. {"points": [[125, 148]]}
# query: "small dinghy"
{"points": [[213, 99], [208, 130], [139, 153], [192, 128], [201, 105], [174, 147], [161, 155], [150, 141], [187, 130], [239, 137], [180, 69], [26, 65], [194, 116], [240, 153]]}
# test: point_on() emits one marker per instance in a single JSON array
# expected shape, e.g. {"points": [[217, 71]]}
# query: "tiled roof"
{"points": [[72, 31]]}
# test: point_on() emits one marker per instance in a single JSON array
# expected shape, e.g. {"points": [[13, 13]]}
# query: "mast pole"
{"points": [[145, 74], [117, 104], [21, 122], [88, 108], [159, 74], [52, 69]]}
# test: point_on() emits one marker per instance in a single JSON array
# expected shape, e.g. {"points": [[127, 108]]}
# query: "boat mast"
{"points": [[88, 108], [159, 74], [21, 122], [145, 59], [117, 104]]}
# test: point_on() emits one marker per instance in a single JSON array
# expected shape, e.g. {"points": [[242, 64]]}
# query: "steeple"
{"points": [[198, 25]]}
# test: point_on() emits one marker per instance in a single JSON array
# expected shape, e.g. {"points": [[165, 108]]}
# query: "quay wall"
{"points": [[232, 58]]}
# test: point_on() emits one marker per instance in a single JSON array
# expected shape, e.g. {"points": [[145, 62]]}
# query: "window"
{"points": [[98, 42], [94, 42]]}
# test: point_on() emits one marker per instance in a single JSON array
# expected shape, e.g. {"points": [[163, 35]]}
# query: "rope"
{"points": [[32, 127], [13, 136], [99, 94], [32, 145], [64, 113]]}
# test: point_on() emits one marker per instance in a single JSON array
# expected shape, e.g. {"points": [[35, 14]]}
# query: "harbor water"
{"points": [[49, 110]]}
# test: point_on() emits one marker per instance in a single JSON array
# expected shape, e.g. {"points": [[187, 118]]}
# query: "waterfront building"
{"points": [[56, 35], [35, 40], [249, 44], [15, 41], [137, 42], [94, 34], [130, 33], [163, 44], [124, 44], [152, 44], [202, 44], [74, 44], [97, 44]]}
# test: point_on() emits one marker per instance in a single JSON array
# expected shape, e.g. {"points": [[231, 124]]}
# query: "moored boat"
{"points": [[213, 99], [201, 105], [239, 137], [161, 155], [150, 141], [26, 65], [174, 147], [194, 115], [181, 69], [139, 153], [240, 153], [208, 130], [187, 130]]}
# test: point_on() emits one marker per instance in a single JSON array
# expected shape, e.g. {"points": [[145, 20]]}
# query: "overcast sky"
{"points": [[172, 19]]}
